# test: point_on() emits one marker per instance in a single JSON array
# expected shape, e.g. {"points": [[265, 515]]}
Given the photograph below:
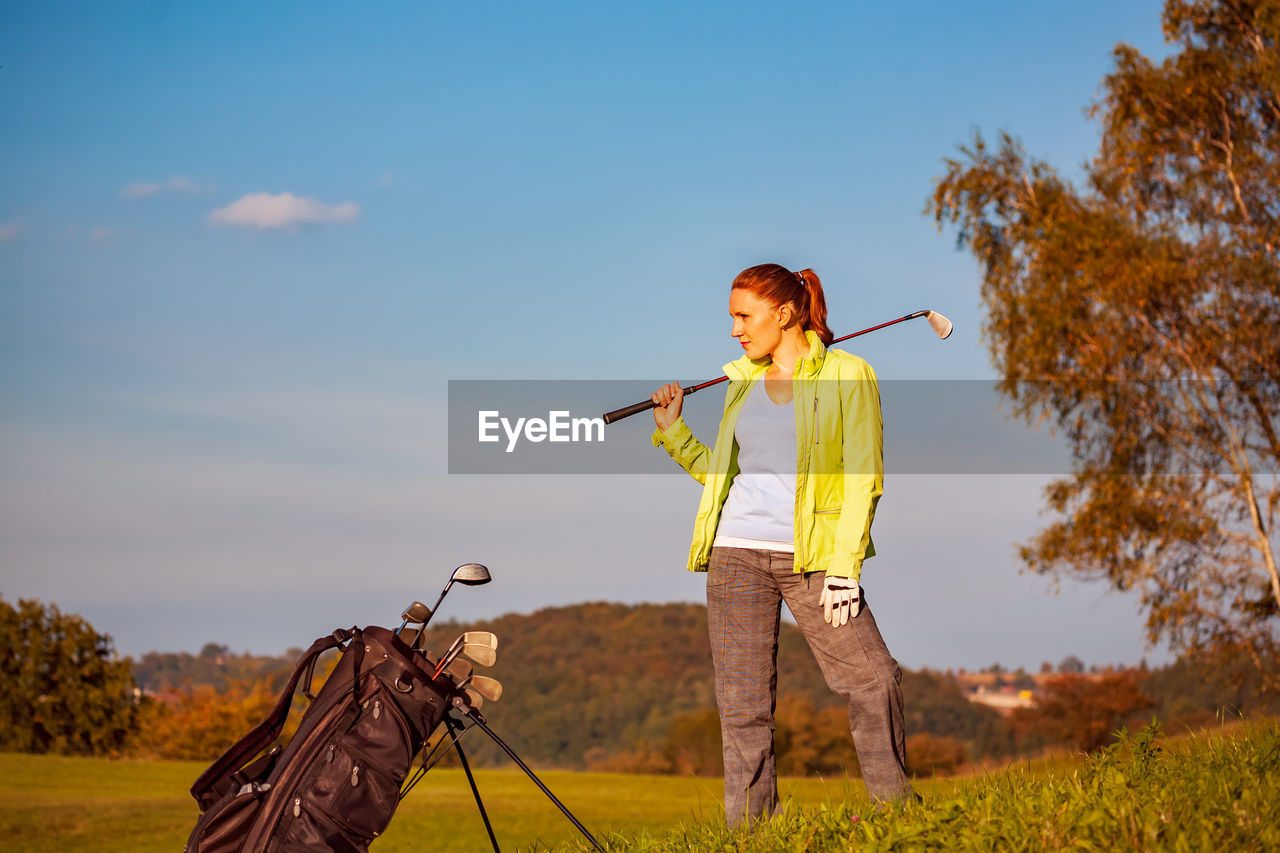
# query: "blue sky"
{"points": [[243, 248]]}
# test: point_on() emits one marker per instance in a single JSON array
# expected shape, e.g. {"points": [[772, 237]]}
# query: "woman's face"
{"points": [[757, 323]]}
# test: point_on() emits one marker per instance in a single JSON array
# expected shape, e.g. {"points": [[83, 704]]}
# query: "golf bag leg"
{"points": [[478, 720], [466, 767]]}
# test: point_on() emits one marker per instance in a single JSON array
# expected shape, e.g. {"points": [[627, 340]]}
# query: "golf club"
{"points": [[459, 671], [940, 324], [416, 613], [489, 688], [480, 646], [469, 574]]}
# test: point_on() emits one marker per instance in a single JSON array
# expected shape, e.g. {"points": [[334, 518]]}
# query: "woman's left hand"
{"points": [[841, 599]]}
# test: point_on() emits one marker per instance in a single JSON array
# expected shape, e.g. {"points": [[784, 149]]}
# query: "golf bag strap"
{"points": [[269, 729]]}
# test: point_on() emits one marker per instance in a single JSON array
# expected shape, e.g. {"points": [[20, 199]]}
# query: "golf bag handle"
{"points": [[637, 408], [269, 729]]}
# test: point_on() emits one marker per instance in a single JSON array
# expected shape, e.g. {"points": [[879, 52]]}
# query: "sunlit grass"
{"points": [[1214, 791]]}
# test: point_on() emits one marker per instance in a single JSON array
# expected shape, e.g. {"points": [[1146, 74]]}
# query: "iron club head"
{"points": [[459, 671], [941, 325], [482, 655], [480, 646], [489, 688]]}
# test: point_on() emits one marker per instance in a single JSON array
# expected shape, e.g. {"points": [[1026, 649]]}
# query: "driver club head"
{"points": [[470, 574]]}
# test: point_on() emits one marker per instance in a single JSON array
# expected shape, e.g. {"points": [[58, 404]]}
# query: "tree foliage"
{"points": [[1140, 313], [931, 755], [65, 691], [1083, 710], [586, 683], [201, 723]]}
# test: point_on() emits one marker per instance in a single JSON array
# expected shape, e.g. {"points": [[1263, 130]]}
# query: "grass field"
{"points": [[50, 803], [1210, 792]]}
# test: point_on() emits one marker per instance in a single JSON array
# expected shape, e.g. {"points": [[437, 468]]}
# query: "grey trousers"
{"points": [[745, 588]]}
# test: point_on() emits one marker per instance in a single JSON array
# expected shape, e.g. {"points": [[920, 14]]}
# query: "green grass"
{"points": [[1208, 792], [1217, 791], [52, 803]]}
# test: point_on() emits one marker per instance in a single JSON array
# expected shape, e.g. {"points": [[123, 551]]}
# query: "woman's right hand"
{"points": [[667, 402]]}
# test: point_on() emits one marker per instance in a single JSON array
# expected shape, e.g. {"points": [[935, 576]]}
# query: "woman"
{"points": [[789, 492]]}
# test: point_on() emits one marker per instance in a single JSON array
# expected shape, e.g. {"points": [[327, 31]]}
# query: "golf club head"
{"points": [[489, 688], [471, 574], [486, 639], [474, 699], [941, 325], [482, 655], [459, 671], [481, 647], [416, 612], [485, 644]]}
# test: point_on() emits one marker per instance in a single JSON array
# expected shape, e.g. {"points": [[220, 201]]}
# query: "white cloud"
{"points": [[175, 184], [101, 234], [141, 189], [285, 210], [8, 232]]}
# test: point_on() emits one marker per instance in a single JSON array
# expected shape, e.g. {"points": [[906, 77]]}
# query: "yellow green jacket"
{"points": [[839, 459]]}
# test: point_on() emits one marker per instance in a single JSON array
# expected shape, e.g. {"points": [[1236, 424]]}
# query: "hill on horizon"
{"points": [[599, 676]]}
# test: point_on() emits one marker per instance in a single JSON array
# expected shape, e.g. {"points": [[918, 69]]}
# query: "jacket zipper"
{"points": [[802, 472]]}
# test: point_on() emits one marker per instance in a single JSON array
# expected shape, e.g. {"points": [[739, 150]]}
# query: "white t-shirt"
{"points": [[761, 508]]}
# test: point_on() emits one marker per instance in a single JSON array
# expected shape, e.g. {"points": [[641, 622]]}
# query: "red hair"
{"points": [[803, 290]]}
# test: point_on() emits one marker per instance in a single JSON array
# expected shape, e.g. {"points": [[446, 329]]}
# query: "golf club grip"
{"points": [[637, 408], [628, 411]]}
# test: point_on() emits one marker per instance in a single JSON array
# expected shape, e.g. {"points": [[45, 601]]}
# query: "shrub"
{"points": [[931, 755]]}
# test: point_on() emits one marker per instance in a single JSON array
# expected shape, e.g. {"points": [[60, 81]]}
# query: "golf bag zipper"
{"points": [[302, 764]]}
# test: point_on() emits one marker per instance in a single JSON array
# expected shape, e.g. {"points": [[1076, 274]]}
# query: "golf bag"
{"points": [[337, 784]]}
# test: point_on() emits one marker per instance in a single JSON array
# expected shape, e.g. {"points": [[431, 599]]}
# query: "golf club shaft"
{"points": [[479, 720], [448, 658], [637, 408], [436, 607]]}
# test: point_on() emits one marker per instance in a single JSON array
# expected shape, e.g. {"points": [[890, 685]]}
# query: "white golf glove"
{"points": [[840, 600]]}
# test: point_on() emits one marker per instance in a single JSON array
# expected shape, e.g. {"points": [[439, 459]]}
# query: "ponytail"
{"points": [[803, 290], [816, 316]]}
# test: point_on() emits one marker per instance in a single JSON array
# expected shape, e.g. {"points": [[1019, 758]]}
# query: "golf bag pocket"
{"points": [[381, 734], [353, 793], [221, 829]]}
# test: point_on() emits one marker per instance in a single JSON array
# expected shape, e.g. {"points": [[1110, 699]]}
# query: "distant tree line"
{"points": [[593, 686]]}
